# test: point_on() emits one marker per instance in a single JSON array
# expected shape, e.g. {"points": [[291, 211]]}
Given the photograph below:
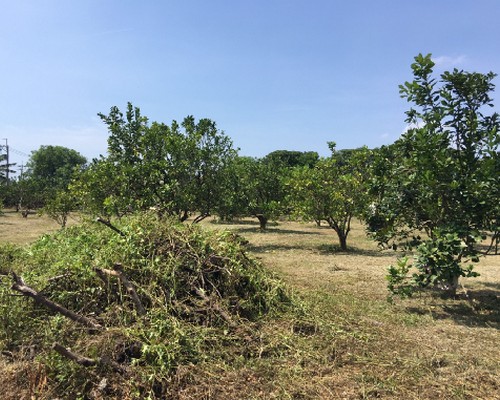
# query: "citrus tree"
{"points": [[436, 188], [178, 169], [333, 190]]}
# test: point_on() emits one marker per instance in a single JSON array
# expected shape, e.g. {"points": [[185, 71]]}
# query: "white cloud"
{"points": [[445, 62]]}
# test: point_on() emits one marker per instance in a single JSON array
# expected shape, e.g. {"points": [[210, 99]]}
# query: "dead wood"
{"points": [[216, 307], [25, 290], [109, 225], [85, 361], [118, 272]]}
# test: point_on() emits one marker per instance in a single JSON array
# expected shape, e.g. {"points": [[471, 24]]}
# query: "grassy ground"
{"points": [[18, 230], [351, 343]]}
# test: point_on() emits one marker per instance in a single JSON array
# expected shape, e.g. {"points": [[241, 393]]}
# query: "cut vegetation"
{"points": [[190, 312]]}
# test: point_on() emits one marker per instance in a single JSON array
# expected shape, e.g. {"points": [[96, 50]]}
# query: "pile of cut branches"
{"points": [[118, 310]]}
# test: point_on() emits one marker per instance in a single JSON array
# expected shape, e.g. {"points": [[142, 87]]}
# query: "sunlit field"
{"points": [[351, 343]]}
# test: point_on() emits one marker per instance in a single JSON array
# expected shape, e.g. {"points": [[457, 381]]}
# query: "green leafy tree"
{"points": [[212, 154], [440, 180], [334, 190], [179, 169], [293, 159], [260, 189], [60, 207], [49, 170], [54, 165]]}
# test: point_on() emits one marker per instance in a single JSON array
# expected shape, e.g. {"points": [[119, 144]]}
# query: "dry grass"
{"points": [[351, 343], [18, 230], [423, 348]]}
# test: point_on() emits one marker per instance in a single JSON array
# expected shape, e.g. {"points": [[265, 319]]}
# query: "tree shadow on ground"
{"points": [[256, 229], [476, 308], [353, 250], [272, 247]]}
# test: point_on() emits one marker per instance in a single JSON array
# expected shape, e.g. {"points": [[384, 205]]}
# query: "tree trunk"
{"points": [[342, 241], [341, 233], [184, 216], [262, 221], [449, 287]]}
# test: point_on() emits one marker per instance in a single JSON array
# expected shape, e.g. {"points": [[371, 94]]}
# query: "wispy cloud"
{"points": [[443, 62]]}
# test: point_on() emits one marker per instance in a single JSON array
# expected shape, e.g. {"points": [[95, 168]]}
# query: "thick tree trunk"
{"points": [[262, 221], [342, 241], [449, 287], [184, 216], [341, 230]]}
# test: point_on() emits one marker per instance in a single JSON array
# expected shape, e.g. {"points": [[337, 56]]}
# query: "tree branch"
{"points": [[25, 290], [118, 272], [85, 361], [109, 225]]}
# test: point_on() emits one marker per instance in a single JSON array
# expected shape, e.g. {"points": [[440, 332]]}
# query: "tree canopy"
{"points": [[178, 169], [442, 176]]}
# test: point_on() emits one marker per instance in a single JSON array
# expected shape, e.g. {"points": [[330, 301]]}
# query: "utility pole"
{"points": [[6, 158], [8, 164], [21, 168]]}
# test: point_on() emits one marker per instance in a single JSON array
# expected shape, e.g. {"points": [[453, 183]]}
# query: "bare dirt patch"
{"points": [[16, 229]]}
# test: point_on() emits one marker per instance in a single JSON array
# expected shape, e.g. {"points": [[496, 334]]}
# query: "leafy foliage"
{"points": [[437, 263], [441, 177], [261, 191], [333, 190], [177, 169], [50, 170]]}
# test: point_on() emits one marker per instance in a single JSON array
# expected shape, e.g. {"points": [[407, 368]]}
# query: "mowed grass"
{"points": [[361, 346], [18, 230], [349, 342]]}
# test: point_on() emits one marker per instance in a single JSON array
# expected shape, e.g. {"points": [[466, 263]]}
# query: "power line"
{"points": [[18, 152]]}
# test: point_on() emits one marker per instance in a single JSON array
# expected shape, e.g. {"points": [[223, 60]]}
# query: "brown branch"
{"points": [[225, 316], [109, 225], [85, 361], [56, 278], [118, 272], [25, 290]]}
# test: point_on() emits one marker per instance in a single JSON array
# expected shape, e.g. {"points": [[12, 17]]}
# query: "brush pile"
{"points": [[113, 313]]}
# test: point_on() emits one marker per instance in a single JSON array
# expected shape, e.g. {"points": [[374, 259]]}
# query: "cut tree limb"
{"points": [[85, 361], [25, 290], [118, 272], [109, 225], [225, 316]]}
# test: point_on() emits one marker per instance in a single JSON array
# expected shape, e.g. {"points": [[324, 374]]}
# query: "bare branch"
{"points": [[118, 272], [25, 290], [109, 225]]}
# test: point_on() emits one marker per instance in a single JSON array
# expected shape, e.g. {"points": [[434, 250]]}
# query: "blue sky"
{"points": [[273, 74]]}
